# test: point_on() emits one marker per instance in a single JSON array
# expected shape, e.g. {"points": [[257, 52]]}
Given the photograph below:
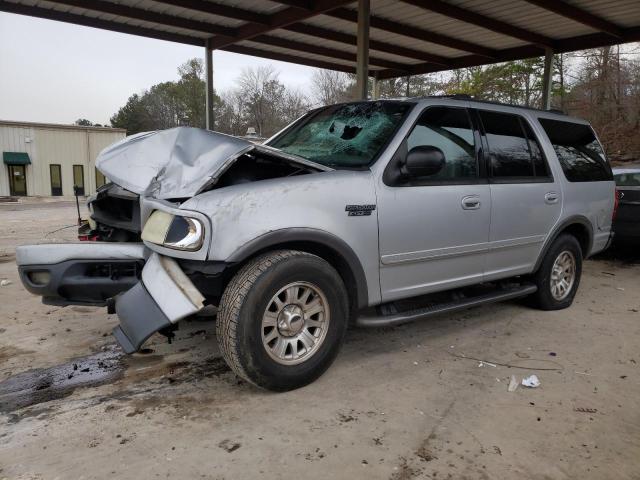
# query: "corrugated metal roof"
{"points": [[407, 37]]}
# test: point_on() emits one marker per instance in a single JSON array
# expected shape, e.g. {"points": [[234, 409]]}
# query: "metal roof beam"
{"points": [[324, 51], [85, 21], [302, 4], [148, 16], [335, 36], [226, 11], [413, 32], [483, 21], [572, 44], [284, 57], [578, 15], [278, 20]]}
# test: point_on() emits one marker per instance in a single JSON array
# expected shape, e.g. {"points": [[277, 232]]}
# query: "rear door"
{"points": [[526, 201], [433, 230]]}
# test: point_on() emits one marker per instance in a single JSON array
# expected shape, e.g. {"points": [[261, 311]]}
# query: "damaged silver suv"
{"points": [[375, 213]]}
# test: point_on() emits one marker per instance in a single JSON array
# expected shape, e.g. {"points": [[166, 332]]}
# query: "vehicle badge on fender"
{"points": [[359, 210]]}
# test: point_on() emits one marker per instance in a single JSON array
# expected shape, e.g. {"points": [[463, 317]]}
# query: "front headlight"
{"points": [[173, 231]]}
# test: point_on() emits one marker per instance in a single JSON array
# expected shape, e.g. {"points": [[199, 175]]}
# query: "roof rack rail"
{"points": [[464, 96]]}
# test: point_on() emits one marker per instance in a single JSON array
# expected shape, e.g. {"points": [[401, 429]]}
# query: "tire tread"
{"points": [[233, 299]]}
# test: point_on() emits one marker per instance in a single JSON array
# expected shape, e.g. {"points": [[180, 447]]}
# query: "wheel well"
{"points": [[582, 234], [331, 256]]}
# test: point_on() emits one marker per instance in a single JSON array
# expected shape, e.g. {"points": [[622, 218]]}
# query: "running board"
{"points": [[499, 295]]}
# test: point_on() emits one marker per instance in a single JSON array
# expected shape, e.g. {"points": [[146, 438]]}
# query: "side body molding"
{"points": [[290, 237], [575, 219]]}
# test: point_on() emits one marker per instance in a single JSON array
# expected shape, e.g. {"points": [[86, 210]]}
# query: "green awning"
{"points": [[16, 158]]}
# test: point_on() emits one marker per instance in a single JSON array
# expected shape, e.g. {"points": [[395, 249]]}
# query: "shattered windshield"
{"points": [[346, 135]]}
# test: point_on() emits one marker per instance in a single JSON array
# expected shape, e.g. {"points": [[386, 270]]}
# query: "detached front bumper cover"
{"points": [[164, 296]]}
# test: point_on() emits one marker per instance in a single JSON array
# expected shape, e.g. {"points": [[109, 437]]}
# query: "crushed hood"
{"points": [[177, 163]]}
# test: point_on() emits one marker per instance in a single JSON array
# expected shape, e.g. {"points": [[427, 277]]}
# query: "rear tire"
{"points": [[282, 319], [559, 274]]}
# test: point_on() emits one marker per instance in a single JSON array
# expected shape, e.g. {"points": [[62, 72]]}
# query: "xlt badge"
{"points": [[359, 210]]}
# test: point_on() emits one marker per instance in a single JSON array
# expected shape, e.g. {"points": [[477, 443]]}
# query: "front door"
{"points": [[17, 180], [78, 179], [56, 180], [433, 230], [526, 201]]}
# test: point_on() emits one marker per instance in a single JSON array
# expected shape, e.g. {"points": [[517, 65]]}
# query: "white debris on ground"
{"points": [[531, 381]]}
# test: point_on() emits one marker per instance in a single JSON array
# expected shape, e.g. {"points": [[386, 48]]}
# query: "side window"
{"points": [[540, 167], [508, 145], [579, 153], [627, 179], [450, 130]]}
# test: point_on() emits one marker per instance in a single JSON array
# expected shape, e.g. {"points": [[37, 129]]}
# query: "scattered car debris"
{"points": [[513, 384], [531, 381], [585, 410], [229, 446], [483, 363], [5, 282]]}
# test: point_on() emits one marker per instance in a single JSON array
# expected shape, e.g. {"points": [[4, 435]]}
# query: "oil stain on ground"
{"points": [[45, 384], [143, 374]]}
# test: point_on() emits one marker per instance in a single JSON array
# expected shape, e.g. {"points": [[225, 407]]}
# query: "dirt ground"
{"points": [[399, 403]]}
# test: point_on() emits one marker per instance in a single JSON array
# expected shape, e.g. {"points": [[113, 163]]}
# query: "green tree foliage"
{"points": [[83, 122], [167, 104]]}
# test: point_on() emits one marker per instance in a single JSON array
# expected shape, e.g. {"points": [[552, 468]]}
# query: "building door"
{"points": [[56, 180], [17, 180], [78, 179]]}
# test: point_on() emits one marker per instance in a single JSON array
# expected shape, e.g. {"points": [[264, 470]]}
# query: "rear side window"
{"points": [[580, 155], [514, 151], [627, 179]]}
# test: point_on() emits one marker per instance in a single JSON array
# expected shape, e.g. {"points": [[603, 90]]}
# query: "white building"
{"points": [[42, 159]]}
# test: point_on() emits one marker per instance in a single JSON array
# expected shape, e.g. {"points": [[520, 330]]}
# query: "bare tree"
{"points": [[329, 87], [264, 95]]}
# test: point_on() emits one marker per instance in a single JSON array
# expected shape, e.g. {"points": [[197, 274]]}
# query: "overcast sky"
{"points": [[58, 72]]}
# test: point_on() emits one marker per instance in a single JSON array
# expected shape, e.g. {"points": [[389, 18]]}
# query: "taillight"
{"points": [[88, 238], [616, 201]]}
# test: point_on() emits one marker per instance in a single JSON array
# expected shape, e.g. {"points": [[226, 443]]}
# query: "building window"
{"points": [[78, 179], [55, 172], [100, 180]]}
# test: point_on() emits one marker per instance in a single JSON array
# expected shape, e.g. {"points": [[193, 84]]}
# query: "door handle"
{"points": [[551, 197], [471, 202]]}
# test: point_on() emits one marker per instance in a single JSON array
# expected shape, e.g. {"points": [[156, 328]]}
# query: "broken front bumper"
{"points": [[150, 291], [164, 296], [80, 273]]}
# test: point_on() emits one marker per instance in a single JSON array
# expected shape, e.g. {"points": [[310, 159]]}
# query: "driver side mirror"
{"points": [[423, 161]]}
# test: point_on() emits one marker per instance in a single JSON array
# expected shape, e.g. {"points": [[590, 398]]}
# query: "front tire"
{"points": [[282, 319], [559, 274]]}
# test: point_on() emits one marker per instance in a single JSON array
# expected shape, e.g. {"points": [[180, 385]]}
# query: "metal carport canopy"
{"points": [[379, 38], [405, 38]]}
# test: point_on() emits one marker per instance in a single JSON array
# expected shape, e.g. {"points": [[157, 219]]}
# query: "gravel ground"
{"points": [[399, 403]]}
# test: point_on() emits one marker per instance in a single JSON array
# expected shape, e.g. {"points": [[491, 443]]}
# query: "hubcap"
{"points": [[563, 275], [294, 324]]}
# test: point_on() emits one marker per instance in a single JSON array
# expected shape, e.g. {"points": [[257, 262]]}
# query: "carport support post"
{"points": [[208, 60], [362, 67], [376, 87], [547, 79]]}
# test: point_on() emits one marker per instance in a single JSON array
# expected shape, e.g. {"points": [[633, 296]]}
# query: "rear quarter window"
{"points": [[579, 153], [627, 179]]}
